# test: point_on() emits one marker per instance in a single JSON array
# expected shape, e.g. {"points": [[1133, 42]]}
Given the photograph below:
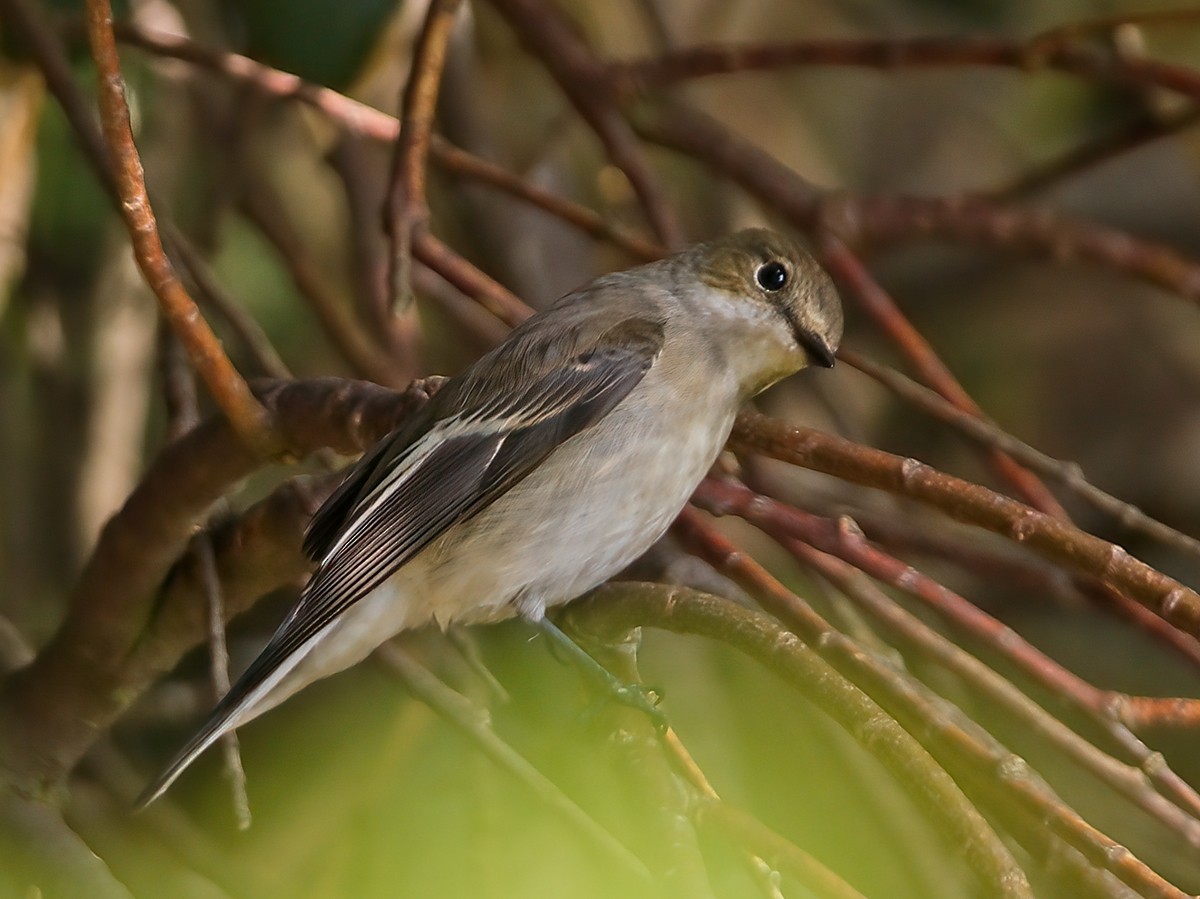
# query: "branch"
{"points": [[407, 207], [556, 41], [856, 218], [988, 771], [249, 419], [1050, 51], [963, 501], [841, 539], [987, 433], [617, 608], [846, 267], [80, 681]]}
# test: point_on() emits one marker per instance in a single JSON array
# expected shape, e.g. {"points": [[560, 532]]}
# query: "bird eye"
{"points": [[771, 276]]}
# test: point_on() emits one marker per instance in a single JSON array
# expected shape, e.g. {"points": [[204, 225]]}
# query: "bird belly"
{"points": [[593, 507]]}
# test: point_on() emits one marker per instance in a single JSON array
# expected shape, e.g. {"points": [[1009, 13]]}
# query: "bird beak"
{"points": [[820, 351]]}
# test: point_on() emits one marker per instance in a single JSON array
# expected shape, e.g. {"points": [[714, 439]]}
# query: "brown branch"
{"points": [[357, 118], [1106, 25], [590, 222], [616, 608], [987, 770], [833, 547], [53, 709], [987, 433], [1144, 129], [407, 206], [1182, 643], [546, 31], [1058, 237], [491, 294], [858, 218], [1050, 51], [51, 58], [845, 266], [251, 422], [963, 501]]}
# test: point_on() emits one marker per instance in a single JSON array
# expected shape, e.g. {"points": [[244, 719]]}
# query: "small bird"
{"points": [[547, 466]]}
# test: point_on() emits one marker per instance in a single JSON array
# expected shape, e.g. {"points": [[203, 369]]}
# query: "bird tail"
{"points": [[237, 708]]}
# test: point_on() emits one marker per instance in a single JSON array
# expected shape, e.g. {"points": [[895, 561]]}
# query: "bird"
{"points": [[548, 465]]}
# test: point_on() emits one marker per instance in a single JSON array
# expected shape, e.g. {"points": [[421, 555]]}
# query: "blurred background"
{"points": [[357, 788]]}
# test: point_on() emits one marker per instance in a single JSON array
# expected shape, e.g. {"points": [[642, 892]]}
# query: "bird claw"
{"points": [[644, 699]]}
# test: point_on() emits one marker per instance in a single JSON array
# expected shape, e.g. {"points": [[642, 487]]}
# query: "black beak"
{"points": [[817, 348]]}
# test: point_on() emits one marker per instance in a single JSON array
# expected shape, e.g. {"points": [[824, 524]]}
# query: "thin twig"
{"points": [[490, 294], [1144, 129], [365, 356], [179, 390], [202, 551], [472, 721], [590, 222], [241, 322], [758, 841]]}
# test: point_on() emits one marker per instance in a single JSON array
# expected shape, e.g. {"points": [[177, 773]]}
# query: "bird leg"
{"points": [[635, 696]]}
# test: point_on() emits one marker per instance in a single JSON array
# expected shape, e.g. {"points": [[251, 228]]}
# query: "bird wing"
{"points": [[446, 467]]}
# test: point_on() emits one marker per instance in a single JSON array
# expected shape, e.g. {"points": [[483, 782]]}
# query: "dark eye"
{"points": [[771, 276]]}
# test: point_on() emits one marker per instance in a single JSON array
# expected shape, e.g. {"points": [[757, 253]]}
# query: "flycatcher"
{"points": [[548, 465]]}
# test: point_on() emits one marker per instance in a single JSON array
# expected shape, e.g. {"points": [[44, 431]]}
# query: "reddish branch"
{"points": [[990, 773], [358, 118], [987, 433], [1056, 540], [841, 539], [229, 390], [488, 292], [590, 222], [859, 218], [878, 303]]}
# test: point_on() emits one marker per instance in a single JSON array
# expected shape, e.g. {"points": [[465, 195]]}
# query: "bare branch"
{"points": [[612, 610], [973, 504], [251, 422], [407, 207]]}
